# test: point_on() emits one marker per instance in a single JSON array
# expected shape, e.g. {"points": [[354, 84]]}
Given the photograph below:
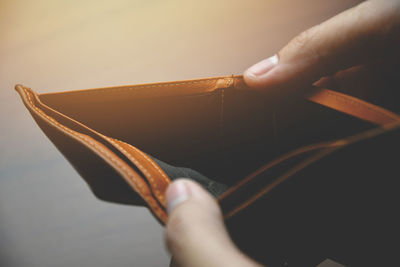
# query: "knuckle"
{"points": [[304, 38], [307, 45]]}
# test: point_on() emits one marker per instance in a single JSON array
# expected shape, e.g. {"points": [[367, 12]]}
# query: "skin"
{"points": [[343, 49]]}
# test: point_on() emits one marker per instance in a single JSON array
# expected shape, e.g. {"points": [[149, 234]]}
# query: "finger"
{"points": [[195, 231], [354, 77], [351, 38]]}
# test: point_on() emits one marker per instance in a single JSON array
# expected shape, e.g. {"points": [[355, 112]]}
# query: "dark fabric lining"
{"points": [[215, 188]]}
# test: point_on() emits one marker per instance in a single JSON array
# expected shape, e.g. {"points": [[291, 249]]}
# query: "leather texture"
{"points": [[114, 137]]}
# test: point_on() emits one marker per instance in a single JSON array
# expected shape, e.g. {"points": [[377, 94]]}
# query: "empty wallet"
{"points": [[298, 180]]}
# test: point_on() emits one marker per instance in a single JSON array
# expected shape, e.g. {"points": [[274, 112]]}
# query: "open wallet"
{"points": [[297, 180]]}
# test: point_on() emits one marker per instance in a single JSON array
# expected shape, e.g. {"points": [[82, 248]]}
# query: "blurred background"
{"points": [[48, 216]]}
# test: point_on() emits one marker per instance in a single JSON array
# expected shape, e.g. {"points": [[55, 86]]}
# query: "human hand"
{"points": [[195, 232], [341, 49]]}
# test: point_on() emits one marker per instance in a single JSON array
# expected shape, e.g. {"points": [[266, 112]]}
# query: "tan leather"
{"points": [[354, 107], [129, 175], [141, 172]]}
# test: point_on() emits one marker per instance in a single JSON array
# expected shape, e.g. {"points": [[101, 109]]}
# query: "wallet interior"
{"points": [[221, 135], [267, 154]]}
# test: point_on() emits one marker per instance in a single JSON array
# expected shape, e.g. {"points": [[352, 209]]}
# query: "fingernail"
{"points": [[176, 194], [263, 66]]}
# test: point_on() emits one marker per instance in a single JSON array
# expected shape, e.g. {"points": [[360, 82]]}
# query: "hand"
{"points": [[339, 49], [195, 231], [351, 42]]}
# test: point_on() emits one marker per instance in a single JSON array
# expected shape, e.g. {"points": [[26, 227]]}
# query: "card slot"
{"points": [[132, 93], [158, 126], [195, 85]]}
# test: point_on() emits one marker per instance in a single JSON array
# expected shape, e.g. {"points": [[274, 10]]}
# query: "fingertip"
{"points": [[249, 78], [182, 190], [263, 67], [195, 233], [176, 194], [256, 76]]}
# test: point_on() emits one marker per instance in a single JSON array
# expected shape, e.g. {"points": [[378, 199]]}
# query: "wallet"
{"points": [[286, 173]]}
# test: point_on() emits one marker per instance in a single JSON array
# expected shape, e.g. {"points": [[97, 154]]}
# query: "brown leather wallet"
{"points": [[277, 159]]}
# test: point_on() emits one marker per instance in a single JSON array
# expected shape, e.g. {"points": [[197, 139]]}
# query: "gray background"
{"points": [[48, 216]]}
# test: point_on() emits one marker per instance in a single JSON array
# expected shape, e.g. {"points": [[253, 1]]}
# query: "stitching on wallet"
{"points": [[141, 167], [151, 162], [360, 104], [146, 196], [112, 89], [147, 173]]}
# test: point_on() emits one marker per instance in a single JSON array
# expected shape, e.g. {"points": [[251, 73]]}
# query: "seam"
{"points": [[364, 105], [141, 167], [166, 178], [157, 192], [113, 89], [145, 195], [221, 120]]}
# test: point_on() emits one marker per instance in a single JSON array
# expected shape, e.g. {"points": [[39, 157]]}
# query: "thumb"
{"points": [[351, 38], [195, 232]]}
